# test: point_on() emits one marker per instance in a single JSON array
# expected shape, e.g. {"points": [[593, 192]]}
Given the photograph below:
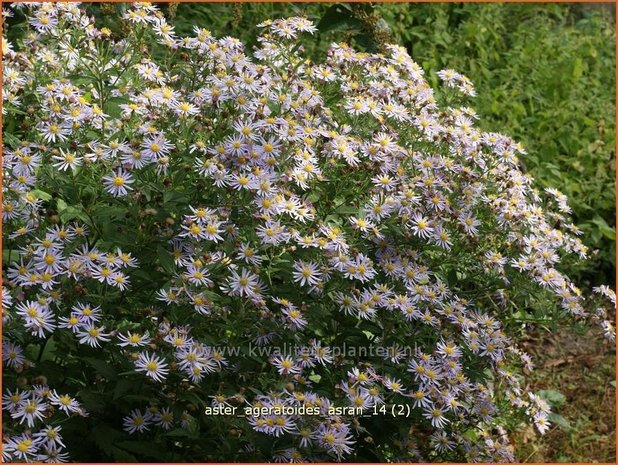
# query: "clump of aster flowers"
{"points": [[190, 224]]}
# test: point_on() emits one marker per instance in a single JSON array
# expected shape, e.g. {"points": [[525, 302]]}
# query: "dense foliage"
{"points": [[543, 71], [190, 224]]}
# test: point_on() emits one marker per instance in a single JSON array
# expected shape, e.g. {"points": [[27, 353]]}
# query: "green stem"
{"points": [[41, 350]]}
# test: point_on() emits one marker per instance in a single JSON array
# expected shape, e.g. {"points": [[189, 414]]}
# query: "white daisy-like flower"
{"points": [[137, 422], [153, 366], [92, 336], [30, 410], [118, 183], [286, 365], [306, 273], [66, 160], [134, 339], [64, 402], [184, 109], [242, 284]]}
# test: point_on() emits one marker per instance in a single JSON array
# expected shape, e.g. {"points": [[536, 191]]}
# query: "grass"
{"points": [[581, 366]]}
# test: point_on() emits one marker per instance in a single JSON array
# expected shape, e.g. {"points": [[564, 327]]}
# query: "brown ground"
{"points": [[582, 367]]}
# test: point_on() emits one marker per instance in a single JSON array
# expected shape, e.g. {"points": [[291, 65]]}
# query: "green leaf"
{"points": [[604, 228], [6, 255], [182, 433], [50, 349], [337, 17], [555, 398], [100, 366], [122, 387], [347, 210], [560, 421], [104, 436], [165, 259], [174, 197], [122, 456], [72, 213], [147, 449], [578, 68], [61, 205], [112, 107], [10, 140], [93, 401], [255, 391], [108, 211], [369, 335], [39, 194]]}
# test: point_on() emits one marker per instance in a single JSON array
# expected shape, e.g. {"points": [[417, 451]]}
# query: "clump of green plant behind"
{"points": [[545, 72]]}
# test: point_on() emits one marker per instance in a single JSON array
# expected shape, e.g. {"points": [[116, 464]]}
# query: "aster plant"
{"points": [[177, 211]]}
